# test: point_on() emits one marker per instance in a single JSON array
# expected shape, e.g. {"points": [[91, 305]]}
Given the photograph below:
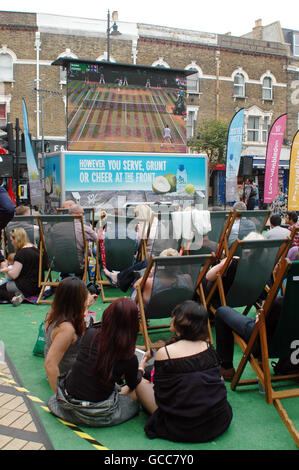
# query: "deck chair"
{"points": [[165, 237], [29, 223], [59, 247], [257, 259], [88, 214], [216, 241], [173, 280], [121, 247], [285, 336], [250, 221]]}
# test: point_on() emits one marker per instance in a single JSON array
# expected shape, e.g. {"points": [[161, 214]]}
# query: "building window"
{"points": [[265, 128], [2, 114], [239, 85], [267, 89], [6, 68], [296, 44], [193, 83], [253, 129]]}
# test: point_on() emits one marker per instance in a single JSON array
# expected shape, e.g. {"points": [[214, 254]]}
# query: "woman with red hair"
{"points": [[90, 394]]}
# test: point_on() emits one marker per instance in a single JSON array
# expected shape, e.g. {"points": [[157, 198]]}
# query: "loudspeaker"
{"points": [[246, 166], [6, 166]]}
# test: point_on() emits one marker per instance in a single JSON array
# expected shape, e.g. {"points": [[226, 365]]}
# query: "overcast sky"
{"points": [[214, 16]]}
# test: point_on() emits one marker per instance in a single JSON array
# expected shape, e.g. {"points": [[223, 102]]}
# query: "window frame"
{"points": [[239, 85], [267, 88]]}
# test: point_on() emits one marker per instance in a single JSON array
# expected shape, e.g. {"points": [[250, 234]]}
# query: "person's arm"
{"points": [[7, 208], [212, 273], [62, 338], [14, 272]]}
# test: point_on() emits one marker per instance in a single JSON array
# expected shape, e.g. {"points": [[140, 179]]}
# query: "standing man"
{"points": [[250, 194]]}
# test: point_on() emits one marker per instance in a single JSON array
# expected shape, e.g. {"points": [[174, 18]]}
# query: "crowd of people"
{"points": [[93, 371]]}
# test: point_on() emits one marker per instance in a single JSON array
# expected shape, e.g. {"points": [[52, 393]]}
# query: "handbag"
{"points": [[39, 346]]}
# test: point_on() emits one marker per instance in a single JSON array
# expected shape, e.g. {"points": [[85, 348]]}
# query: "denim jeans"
{"points": [[228, 320]]}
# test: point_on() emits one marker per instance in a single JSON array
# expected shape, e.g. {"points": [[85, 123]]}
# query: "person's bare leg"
{"points": [[146, 396]]}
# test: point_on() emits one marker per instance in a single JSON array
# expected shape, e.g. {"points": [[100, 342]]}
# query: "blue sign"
{"points": [[233, 154]]}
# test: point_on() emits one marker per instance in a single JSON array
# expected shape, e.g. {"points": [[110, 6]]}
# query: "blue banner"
{"points": [[33, 173], [233, 154]]}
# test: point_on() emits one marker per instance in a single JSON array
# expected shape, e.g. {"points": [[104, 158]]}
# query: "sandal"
{"points": [[17, 300], [112, 281]]}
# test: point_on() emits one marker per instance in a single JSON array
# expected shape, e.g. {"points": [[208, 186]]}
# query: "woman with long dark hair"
{"points": [[64, 327], [90, 394], [188, 400]]}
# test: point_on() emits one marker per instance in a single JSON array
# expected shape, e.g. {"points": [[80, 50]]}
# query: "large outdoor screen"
{"points": [[118, 108]]}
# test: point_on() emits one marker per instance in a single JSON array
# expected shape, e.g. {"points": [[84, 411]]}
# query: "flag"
{"points": [[274, 144], [36, 195], [233, 154], [293, 192]]}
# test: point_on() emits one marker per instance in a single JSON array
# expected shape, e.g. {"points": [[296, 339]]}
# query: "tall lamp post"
{"points": [[111, 30]]}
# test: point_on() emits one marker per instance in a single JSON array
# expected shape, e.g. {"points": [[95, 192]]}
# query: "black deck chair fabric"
{"points": [[164, 238], [27, 222], [60, 243], [283, 344], [287, 330], [174, 279], [121, 243], [211, 240], [254, 269], [255, 262]]}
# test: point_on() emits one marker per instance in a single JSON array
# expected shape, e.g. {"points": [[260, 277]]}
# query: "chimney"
{"points": [[258, 30], [115, 16]]}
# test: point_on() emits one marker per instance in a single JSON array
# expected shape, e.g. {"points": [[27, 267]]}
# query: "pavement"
{"points": [[20, 426]]}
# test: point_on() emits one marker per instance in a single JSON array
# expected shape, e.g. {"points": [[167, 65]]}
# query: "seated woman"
{"points": [[90, 393], [23, 274], [64, 327], [188, 399]]}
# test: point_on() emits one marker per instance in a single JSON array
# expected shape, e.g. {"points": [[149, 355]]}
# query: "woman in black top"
{"points": [[24, 272], [188, 400], [90, 394]]}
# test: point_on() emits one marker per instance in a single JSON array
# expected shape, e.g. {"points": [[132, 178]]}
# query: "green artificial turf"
{"points": [[255, 425]]}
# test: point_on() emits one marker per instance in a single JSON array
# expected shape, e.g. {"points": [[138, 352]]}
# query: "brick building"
{"points": [[232, 72]]}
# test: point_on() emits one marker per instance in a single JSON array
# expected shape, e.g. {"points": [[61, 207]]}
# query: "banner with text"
{"points": [[36, 193], [293, 193], [161, 175], [233, 154], [274, 144]]}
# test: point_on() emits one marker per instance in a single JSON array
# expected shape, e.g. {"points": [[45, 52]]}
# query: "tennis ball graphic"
{"points": [[161, 185], [189, 189]]}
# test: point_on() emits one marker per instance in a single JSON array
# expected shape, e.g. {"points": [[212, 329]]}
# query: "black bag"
{"points": [[284, 367]]}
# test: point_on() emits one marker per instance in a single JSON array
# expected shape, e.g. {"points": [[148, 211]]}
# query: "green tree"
{"points": [[211, 139]]}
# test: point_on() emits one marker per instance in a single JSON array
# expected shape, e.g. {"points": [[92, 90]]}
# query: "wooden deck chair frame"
{"points": [[218, 283], [47, 282], [143, 326], [263, 373]]}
